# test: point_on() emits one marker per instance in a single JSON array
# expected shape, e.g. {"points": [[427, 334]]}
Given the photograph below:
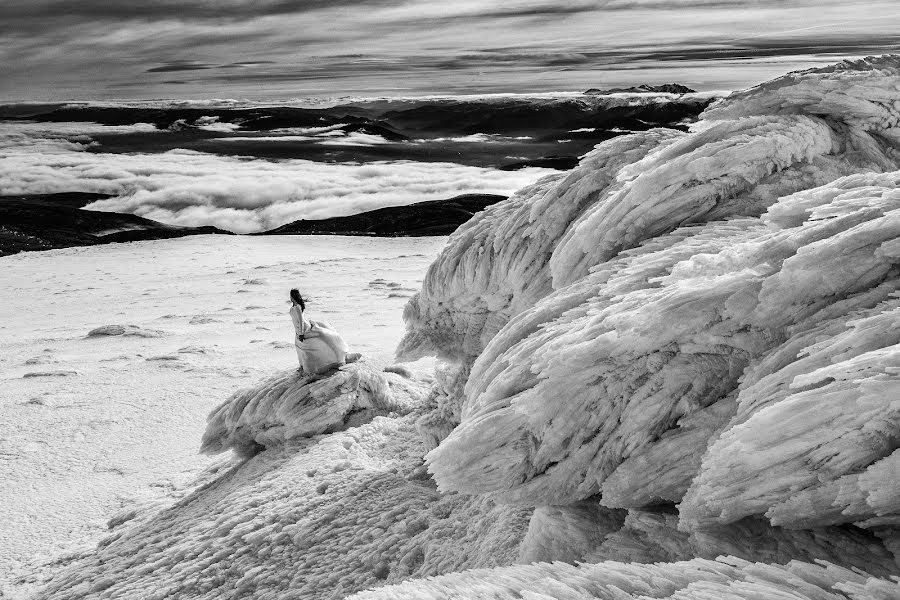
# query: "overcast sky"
{"points": [[277, 49]]}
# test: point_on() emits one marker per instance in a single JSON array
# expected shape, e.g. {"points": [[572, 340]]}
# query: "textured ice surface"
{"points": [[639, 349], [496, 265], [598, 370], [288, 406], [725, 579], [314, 518]]}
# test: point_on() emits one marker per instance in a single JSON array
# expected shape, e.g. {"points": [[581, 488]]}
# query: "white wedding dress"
{"points": [[319, 347]]}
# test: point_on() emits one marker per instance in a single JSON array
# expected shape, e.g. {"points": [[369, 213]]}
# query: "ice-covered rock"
{"points": [[288, 406], [654, 536], [813, 442], [723, 579], [611, 362], [495, 265], [747, 151], [568, 533], [598, 370], [124, 330]]}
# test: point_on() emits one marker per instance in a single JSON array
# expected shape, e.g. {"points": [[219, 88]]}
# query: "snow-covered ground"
{"points": [[89, 423]]}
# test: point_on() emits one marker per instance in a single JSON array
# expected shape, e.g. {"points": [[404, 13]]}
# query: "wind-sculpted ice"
{"points": [[813, 442], [289, 406], [690, 273], [739, 160], [599, 372], [654, 536], [495, 265], [722, 579]]}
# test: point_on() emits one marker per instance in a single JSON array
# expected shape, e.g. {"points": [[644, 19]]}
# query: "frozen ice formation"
{"points": [[723, 579], [600, 371], [289, 406], [685, 351], [687, 279], [739, 161], [654, 536], [496, 264], [318, 517]]}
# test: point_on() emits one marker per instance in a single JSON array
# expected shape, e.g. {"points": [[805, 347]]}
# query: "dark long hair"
{"points": [[296, 297]]}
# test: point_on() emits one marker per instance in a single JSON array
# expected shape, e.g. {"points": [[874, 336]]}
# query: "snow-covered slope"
{"points": [[686, 347]]}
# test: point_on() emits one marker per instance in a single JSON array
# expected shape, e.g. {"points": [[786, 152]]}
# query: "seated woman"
{"points": [[319, 348]]}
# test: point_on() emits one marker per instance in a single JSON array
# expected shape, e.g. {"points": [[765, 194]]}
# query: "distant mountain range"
{"points": [[48, 221], [666, 88], [499, 132], [435, 217]]}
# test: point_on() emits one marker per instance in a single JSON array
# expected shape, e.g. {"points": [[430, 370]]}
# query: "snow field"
{"points": [[201, 317]]}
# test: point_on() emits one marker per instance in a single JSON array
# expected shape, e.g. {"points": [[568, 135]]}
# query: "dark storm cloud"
{"points": [[764, 48], [179, 66], [116, 10], [247, 63]]}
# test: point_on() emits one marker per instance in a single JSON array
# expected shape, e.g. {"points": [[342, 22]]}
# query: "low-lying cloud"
{"points": [[236, 193]]}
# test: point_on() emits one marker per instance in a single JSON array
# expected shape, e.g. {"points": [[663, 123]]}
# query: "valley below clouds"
{"points": [[237, 193]]}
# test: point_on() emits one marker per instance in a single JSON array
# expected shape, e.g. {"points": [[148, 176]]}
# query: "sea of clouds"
{"points": [[238, 193]]}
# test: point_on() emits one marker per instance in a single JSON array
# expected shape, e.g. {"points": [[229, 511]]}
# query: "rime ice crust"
{"points": [[317, 517], [288, 406], [659, 313], [495, 265], [725, 579], [795, 133], [665, 330]]}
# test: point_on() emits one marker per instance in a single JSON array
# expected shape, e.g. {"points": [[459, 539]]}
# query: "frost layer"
{"points": [[731, 291], [289, 406], [795, 133], [723, 579], [611, 367], [314, 518]]}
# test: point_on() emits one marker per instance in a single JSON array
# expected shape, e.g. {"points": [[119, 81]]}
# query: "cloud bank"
{"points": [[236, 193]]}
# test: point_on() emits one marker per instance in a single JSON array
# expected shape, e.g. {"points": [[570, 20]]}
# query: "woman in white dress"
{"points": [[319, 347]]}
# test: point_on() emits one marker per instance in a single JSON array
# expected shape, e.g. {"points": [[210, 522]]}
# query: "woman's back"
{"points": [[319, 347]]}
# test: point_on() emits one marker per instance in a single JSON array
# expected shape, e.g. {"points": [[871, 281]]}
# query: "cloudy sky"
{"points": [[83, 49]]}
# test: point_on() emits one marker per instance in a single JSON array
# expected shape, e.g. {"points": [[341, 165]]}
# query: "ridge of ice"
{"points": [[289, 406], [605, 356]]}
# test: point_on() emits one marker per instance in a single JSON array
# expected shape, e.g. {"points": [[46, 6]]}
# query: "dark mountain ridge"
{"points": [[433, 217], [49, 221]]}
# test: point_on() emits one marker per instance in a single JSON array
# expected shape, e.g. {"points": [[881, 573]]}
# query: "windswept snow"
{"points": [[128, 425], [313, 518]]}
